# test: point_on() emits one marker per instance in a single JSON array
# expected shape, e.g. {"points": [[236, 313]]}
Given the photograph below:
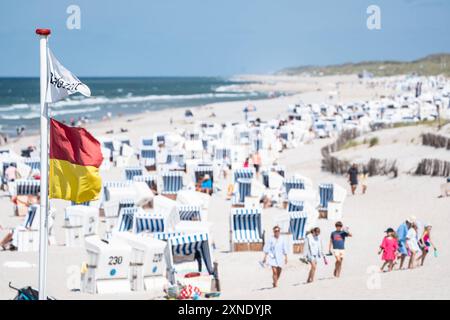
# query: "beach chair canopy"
{"points": [[297, 225], [293, 183], [246, 225], [188, 244], [326, 195], [28, 187], [130, 172], [189, 212], [172, 182], [149, 222]]}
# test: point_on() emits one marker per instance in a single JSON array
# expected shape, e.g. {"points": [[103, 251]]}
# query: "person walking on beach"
{"points": [[363, 180], [337, 244], [388, 247], [246, 162], [276, 250], [314, 252], [256, 160], [425, 243], [353, 177], [412, 244], [402, 231]]}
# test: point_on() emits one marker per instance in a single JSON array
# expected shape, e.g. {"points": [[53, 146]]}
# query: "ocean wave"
{"points": [[134, 99], [35, 115], [71, 111], [27, 116], [13, 107], [130, 99]]}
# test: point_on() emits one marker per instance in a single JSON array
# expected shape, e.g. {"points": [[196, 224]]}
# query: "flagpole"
{"points": [[43, 228]]}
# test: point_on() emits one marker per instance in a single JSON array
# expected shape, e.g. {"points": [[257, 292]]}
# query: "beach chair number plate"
{"points": [[115, 260]]}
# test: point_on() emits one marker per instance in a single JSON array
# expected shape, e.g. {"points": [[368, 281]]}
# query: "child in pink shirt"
{"points": [[389, 248]]}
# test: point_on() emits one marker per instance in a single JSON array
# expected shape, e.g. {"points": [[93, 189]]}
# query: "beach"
{"points": [[388, 202]]}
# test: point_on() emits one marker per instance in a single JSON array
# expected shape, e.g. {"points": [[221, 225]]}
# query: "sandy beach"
{"points": [[388, 202]]}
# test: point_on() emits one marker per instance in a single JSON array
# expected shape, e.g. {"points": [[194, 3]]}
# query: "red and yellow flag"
{"points": [[75, 156]]}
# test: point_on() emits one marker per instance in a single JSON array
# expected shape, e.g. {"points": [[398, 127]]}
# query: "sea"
{"points": [[19, 98]]}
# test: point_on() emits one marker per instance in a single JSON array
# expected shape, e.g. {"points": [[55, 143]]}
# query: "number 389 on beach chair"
{"points": [[246, 230]]}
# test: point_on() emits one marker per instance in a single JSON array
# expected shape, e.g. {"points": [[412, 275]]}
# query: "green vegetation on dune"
{"points": [[430, 65]]}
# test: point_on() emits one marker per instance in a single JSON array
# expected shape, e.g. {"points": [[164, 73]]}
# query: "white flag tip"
{"points": [[84, 90]]}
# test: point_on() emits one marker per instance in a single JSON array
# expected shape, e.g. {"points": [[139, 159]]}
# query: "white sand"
{"points": [[387, 203]]}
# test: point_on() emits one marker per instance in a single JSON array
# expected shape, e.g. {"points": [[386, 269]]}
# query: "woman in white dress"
{"points": [[276, 250], [412, 244], [314, 251]]}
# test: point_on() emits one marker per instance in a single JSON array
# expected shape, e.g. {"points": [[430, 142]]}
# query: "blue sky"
{"points": [[212, 37]]}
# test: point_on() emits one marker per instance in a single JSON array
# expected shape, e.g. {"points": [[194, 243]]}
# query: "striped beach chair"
{"points": [[27, 187], [86, 203], [189, 212], [150, 180], [246, 173], [246, 230], [126, 219], [130, 172], [203, 170], [297, 228], [33, 163], [172, 183], [221, 154], [297, 224], [147, 142], [326, 195], [108, 185], [187, 245], [244, 189], [293, 183], [164, 236], [148, 222], [295, 206], [147, 157]]}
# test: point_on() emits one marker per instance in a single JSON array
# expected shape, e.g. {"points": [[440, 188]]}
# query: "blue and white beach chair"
{"points": [[189, 213], [150, 180], [149, 222], [126, 219], [33, 163], [326, 195], [332, 198], [130, 172], [147, 158], [172, 183], [246, 230], [295, 206], [297, 228], [293, 183], [246, 173], [191, 244], [243, 190]]}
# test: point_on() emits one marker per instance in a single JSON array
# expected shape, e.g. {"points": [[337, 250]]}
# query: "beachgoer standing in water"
{"points": [[276, 250], [353, 177], [337, 244]]}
